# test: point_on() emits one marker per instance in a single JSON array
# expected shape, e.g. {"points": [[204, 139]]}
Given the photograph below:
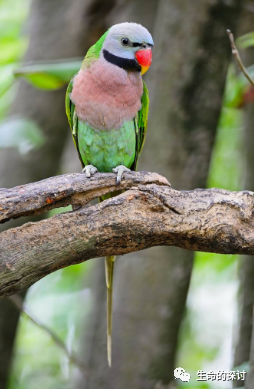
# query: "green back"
{"points": [[94, 52]]}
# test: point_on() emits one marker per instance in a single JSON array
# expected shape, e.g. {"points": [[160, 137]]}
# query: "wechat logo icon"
{"points": [[180, 373]]}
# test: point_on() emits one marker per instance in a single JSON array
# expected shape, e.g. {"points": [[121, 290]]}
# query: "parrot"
{"points": [[107, 105]]}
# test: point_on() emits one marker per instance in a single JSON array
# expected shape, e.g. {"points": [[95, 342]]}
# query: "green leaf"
{"points": [[11, 49], [245, 41], [234, 90], [21, 133], [49, 75], [9, 28], [6, 98], [6, 78], [236, 86]]}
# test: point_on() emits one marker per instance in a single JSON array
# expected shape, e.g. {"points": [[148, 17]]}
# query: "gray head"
{"points": [[122, 43], [125, 39]]}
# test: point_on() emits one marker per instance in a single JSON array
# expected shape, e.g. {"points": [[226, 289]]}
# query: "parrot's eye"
{"points": [[125, 42]]}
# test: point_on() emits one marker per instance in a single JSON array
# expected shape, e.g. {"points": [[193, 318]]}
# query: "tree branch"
{"points": [[61, 191], [239, 61], [148, 213], [17, 301]]}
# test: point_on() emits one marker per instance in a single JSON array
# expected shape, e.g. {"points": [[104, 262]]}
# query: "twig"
{"points": [[236, 54], [17, 301]]}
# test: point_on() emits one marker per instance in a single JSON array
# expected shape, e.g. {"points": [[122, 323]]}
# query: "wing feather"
{"points": [[141, 124], [72, 117]]}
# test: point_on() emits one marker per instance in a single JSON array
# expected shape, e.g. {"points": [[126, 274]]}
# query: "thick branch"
{"points": [[148, 214], [61, 191]]}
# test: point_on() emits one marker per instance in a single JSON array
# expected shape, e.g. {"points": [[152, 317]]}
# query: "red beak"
{"points": [[144, 58]]}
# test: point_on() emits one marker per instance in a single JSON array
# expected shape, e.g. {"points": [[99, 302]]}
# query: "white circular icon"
{"points": [[180, 373]]}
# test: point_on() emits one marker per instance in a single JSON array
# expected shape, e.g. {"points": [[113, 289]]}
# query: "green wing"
{"points": [[69, 106], [141, 124], [91, 56], [72, 117]]}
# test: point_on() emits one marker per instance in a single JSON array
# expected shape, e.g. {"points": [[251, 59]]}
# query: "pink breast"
{"points": [[105, 95]]}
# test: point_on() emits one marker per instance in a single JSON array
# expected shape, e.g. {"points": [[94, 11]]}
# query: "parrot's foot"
{"points": [[90, 170], [120, 170]]}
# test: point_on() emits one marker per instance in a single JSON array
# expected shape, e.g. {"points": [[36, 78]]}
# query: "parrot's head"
{"points": [[129, 46]]}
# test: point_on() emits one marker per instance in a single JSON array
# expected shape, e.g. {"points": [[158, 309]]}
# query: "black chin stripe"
{"points": [[136, 44], [124, 63]]}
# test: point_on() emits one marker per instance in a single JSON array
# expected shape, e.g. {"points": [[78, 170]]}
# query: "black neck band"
{"points": [[124, 63]]}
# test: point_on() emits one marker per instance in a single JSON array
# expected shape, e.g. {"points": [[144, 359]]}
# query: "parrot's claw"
{"points": [[89, 170], [120, 170]]}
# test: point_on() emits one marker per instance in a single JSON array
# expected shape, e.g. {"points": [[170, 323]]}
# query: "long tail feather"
{"points": [[109, 271]]}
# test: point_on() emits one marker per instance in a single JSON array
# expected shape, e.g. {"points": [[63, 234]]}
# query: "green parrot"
{"points": [[107, 108]]}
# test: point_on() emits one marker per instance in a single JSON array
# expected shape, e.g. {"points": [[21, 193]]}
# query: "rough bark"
{"points": [[57, 29], [61, 191], [147, 215], [186, 83]]}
